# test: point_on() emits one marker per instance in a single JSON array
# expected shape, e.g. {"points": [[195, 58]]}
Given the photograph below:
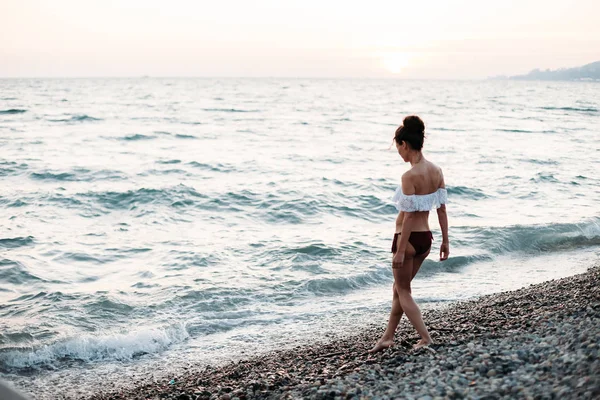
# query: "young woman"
{"points": [[422, 190]]}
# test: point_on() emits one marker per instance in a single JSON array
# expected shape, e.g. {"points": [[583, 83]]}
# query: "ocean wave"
{"points": [[63, 176], [179, 260], [71, 257], [171, 171], [315, 249], [212, 300], [136, 136], [362, 206], [218, 167], [131, 198], [96, 347], [16, 273], [13, 203], [536, 238], [83, 117], [224, 322], [97, 203], [63, 201], [12, 111], [339, 285], [517, 131], [577, 109], [345, 183], [469, 193], [76, 118], [449, 129], [544, 177], [538, 161], [231, 110], [323, 285], [451, 265], [78, 175], [8, 168], [52, 297], [177, 135], [12, 337], [295, 207], [104, 306], [12, 243]]}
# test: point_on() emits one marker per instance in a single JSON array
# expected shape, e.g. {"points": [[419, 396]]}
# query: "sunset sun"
{"points": [[395, 62]]}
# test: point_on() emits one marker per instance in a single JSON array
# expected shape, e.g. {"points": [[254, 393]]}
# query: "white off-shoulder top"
{"points": [[419, 202]]}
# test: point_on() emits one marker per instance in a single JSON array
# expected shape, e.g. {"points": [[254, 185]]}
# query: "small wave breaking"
{"points": [[88, 348], [537, 238]]}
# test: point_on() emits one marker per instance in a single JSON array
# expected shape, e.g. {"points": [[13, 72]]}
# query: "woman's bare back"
{"points": [[423, 178]]}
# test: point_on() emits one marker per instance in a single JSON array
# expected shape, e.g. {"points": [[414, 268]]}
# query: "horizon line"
{"points": [[240, 77]]}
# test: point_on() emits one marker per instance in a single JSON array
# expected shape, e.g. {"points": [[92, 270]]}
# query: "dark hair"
{"points": [[411, 131]]}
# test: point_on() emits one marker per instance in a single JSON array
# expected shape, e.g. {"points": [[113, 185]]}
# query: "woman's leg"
{"points": [[402, 278], [387, 339], [417, 262]]}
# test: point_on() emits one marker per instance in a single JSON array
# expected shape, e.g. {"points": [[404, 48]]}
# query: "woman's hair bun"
{"points": [[413, 124], [411, 131]]}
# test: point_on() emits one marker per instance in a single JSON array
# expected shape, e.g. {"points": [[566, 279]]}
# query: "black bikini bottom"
{"points": [[421, 241]]}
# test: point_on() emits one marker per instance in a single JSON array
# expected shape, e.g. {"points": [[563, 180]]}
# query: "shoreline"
{"points": [[538, 341]]}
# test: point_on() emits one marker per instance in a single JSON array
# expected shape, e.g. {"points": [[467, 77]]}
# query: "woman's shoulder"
{"points": [[434, 166], [437, 173], [408, 182], [429, 169]]}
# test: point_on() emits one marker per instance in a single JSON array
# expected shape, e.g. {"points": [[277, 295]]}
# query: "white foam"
{"points": [[118, 346]]}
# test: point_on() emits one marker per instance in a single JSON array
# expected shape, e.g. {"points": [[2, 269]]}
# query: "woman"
{"points": [[422, 189]]}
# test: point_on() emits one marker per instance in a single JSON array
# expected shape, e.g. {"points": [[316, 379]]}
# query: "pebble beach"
{"points": [[538, 342]]}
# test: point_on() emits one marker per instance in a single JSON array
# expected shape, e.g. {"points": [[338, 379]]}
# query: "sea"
{"points": [[152, 225]]}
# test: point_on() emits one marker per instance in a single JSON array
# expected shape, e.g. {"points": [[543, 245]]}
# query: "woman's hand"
{"points": [[444, 251], [398, 259]]}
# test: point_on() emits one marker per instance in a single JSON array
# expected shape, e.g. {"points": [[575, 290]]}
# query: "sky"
{"points": [[421, 39]]}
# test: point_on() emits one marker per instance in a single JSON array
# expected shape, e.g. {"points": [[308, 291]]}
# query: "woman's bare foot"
{"points": [[382, 344], [422, 343]]}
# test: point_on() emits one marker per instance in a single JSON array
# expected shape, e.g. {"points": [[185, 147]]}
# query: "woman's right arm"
{"points": [[443, 218]]}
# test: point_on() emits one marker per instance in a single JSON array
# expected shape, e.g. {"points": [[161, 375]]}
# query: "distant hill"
{"points": [[588, 72]]}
